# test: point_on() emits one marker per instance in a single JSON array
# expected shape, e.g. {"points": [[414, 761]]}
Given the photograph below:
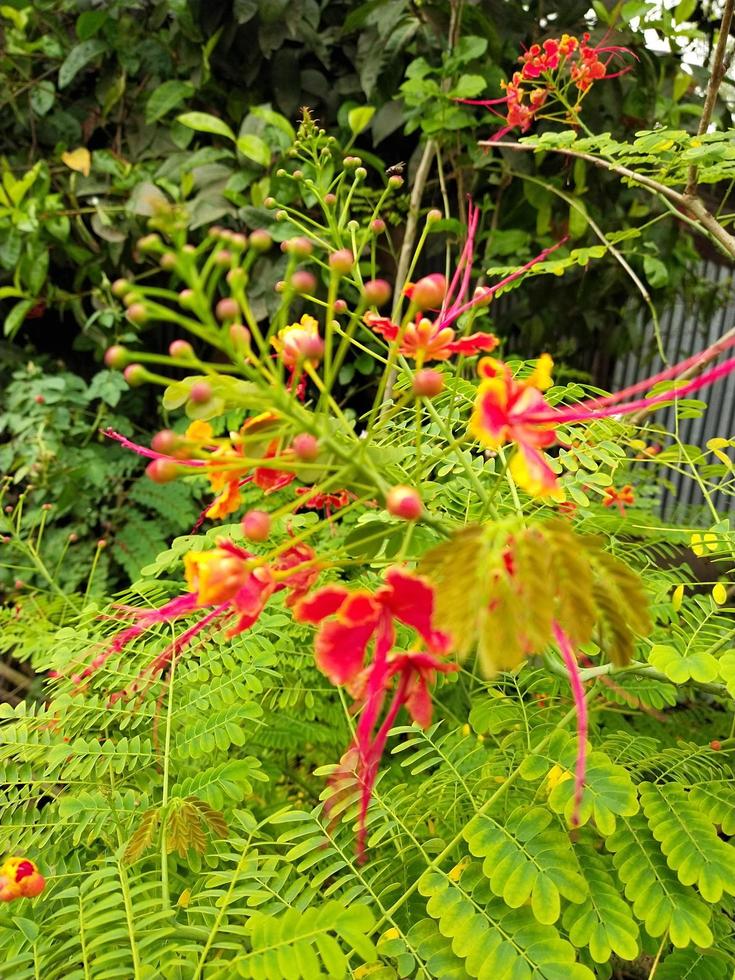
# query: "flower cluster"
{"points": [[436, 340], [227, 581], [554, 76], [20, 878], [349, 621], [512, 411]]}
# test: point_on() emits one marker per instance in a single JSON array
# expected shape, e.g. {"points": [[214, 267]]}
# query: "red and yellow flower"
{"points": [[20, 878]]}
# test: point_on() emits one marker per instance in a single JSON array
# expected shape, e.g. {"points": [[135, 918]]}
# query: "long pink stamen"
{"points": [[580, 704], [488, 293], [587, 411], [149, 453], [464, 266]]}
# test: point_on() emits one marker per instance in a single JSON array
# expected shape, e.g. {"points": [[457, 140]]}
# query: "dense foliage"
{"points": [[382, 563]]}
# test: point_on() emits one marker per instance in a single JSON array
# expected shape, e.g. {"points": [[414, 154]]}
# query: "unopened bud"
{"points": [[227, 309], [302, 281], [428, 293], [168, 261], [300, 247], [256, 525], [137, 314], [101, 543], [330, 199], [342, 261], [222, 257], [238, 240], [260, 240], [306, 447], [427, 383], [164, 442], [119, 287], [39, 399], [149, 243], [161, 470], [240, 336], [181, 349], [433, 216], [404, 502], [186, 298], [395, 181], [377, 225], [377, 292], [236, 278], [340, 306], [134, 374], [200, 393]]}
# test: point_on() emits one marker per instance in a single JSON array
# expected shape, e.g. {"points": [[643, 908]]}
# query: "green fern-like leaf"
{"points": [[659, 899], [688, 840], [527, 857]]}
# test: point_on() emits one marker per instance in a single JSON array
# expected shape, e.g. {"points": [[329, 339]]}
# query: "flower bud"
{"points": [[330, 199], [433, 216], [715, 745], [215, 231], [340, 306], [301, 247], [164, 442], [73, 537], [377, 291], [429, 292], [238, 241], [188, 249], [342, 261], [119, 287], [148, 243], [377, 225], [256, 525], [236, 278], [168, 261], [222, 256], [270, 203], [200, 393], [186, 298], [427, 383], [101, 543], [227, 309], [260, 240], [134, 374], [138, 314], [306, 447], [404, 502], [39, 399], [395, 181], [240, 336], [350, 162], [161, 470], [181, 349], [302, 281], [360, 173]]}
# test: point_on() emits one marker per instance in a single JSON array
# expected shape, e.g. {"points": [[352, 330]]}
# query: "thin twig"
{"points": [[717, 74]]}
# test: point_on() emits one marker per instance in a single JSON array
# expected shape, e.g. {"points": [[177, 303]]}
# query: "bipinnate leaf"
{"points": [[143, 836], [500, 588], [660, 901], [689, 840], [528, 857], [495, 941], [604, 922]]}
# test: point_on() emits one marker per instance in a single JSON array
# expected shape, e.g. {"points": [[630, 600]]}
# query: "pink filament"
{"points": [[580, 765], [149, 453]]}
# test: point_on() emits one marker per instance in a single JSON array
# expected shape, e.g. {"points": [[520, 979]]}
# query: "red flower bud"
{"points": [[227, 309], [300, 247], [260, 240], [427, 383], [101, 543], [161, 470], [222, 257], [306, 446], [330, 199], [134, 374], [256, 525], [39, 399], [302, 281], [164, 442], [404, 502], [715, 745], [200, 393], [377, 291], [238, 240], [377, 225], [240, 336], [428, 293], [181, 349], [137, 313], [342, 261]]}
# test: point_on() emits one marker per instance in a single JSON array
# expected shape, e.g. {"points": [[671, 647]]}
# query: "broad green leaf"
{"points": [[254, 148], [359, 118], [78, 58], [203, 122], [166, 97]]}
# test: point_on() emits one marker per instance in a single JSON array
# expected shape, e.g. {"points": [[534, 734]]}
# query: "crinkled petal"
{"points": [[320, 604], [340, 649], [473, 344], [410, 599]]}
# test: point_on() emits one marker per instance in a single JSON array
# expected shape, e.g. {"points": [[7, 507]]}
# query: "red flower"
{"points": [[328, 502], [228, 581], [349, 621], [622, 498], [20, 878]]}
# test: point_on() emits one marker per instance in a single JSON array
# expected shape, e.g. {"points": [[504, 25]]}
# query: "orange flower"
{"points": [[621, 498], [20, 878]]}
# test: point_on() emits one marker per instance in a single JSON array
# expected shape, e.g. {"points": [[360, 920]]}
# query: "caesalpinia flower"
{"points": [[351, 621], [622, 498], [299, 342], [549, 74], [20, 878], [512, 411], [436, 340], [231, 584]]}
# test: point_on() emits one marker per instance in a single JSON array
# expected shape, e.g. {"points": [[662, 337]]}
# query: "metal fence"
{"points": [[684, 331]]}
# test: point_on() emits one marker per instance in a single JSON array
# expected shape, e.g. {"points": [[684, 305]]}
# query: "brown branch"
{"points": [[719, 67], [692, 205]]}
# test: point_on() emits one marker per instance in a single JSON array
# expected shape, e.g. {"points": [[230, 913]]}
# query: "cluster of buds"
{"points": [[20, 878], [554, 76]]}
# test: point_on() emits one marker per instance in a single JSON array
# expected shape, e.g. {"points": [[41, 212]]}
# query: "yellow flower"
{"points": [[214, 575], [299, 341]]}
